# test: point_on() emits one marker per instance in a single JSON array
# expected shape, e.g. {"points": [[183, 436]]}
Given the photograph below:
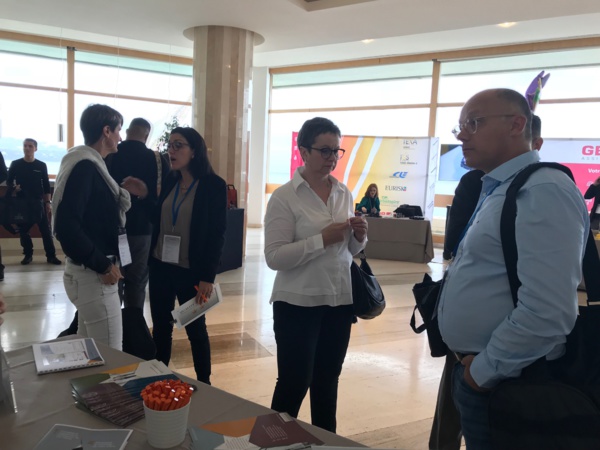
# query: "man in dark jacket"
{"points": [[3, 177], [28, 179], [135, 159]]}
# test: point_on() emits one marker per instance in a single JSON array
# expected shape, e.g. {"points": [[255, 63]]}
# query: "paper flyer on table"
{"points": [[190, 310]]}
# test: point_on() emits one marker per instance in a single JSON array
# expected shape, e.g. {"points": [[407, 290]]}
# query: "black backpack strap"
{"points": [[591, 261]]}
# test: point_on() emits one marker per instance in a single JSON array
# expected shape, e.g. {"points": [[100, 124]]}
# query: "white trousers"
{"points": [[98, 305]]}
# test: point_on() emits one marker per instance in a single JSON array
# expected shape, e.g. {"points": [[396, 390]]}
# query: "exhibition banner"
{"points": [[404, 169], [582, 156]]}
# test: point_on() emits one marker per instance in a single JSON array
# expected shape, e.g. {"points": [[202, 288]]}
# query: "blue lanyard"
{"points": [[174, 208], [472, 219]]}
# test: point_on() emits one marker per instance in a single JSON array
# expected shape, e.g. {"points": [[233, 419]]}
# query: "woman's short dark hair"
{"points": [[93, 120], [199, 164], [313, 128], [369, 188]]}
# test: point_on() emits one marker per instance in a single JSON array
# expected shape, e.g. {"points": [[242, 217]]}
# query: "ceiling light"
{"points": [[367, 41], [507, 24]]}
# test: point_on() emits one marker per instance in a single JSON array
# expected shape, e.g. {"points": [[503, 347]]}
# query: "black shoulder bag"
{"points": [[553, 404], [367, 296]]}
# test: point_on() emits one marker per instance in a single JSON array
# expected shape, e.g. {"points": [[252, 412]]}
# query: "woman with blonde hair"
{"points": [[370, 202]]}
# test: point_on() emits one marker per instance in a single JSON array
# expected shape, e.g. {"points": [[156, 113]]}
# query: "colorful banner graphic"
{"points": [[404, 169]]}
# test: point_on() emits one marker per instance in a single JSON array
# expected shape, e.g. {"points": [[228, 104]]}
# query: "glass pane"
{"points": [[573, 82], [347, 75], [125, 81], [156, 113], [459, 88], [371, 93], [547, 61], [396, 122], [569, 120], [33, 70], [43, 111]]}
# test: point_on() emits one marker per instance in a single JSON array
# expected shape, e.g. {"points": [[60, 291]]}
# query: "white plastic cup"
{"points": [[166, 429]]}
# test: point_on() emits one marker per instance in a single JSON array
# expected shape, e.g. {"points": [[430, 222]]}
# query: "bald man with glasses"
{"points": [[492, 340]]}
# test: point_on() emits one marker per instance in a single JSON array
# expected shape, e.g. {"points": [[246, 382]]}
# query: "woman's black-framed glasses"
{"points": [[177, 145], [327, 152]]}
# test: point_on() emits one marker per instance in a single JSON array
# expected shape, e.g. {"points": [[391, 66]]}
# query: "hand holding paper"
{"points": [[191, 310]]}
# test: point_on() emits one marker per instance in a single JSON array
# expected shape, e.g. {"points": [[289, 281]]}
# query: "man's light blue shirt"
{"points": [[476, 311]]}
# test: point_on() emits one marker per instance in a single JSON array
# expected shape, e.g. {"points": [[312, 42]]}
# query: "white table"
{"points": [[44, 400]]}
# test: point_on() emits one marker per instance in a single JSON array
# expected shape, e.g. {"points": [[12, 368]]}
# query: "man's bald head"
{"points": [[139, 130]]}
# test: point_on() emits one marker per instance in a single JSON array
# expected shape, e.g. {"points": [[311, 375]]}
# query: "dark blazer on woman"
{"points": [[207, 229], [593, 192]]}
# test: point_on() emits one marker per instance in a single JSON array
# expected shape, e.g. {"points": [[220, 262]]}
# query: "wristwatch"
{"points": [[48, 201]]}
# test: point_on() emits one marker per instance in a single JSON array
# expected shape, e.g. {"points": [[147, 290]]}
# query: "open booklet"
{"points": [[66, 355], [190, 310], [61, 437]]}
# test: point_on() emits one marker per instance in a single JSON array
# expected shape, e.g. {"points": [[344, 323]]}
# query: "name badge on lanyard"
{"points": [[170, 249], [172, 243], [124, 252]]}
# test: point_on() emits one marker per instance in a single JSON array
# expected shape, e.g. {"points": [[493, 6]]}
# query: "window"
{"points": [[36, 114]]}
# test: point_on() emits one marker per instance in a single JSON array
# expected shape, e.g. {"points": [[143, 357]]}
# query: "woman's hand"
{"points": [[359, 226], [204, 291], [112, 277], [374, 211], [364, 210], [135, 186], [334, 233]]}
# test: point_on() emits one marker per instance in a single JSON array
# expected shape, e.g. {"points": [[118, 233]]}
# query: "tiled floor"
{"points": [[389, 383]]}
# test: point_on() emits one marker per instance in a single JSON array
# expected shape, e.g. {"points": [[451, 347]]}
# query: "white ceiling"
{"points": [[293, 35]]}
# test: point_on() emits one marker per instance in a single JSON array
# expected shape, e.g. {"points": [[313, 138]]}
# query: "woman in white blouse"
{"points": [[310, 236]]}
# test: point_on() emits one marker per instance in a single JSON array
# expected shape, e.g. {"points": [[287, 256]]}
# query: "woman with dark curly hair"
{"points": [[187, 243]]}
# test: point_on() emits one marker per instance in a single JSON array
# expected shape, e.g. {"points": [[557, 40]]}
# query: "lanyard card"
{"points": [[124, 252], [170, 250]]}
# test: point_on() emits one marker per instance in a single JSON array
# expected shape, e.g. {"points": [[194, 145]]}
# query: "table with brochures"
{"points": [[400, 239], [45, 400]]}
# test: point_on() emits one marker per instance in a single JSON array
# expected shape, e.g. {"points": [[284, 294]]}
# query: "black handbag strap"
{"points": [[591, 260]]}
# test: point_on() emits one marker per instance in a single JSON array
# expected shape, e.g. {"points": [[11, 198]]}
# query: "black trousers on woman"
{"points": [[311, 347], [166, 283]]}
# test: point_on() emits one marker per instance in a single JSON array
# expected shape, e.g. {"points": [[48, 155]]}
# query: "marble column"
{"points": [[222, 97]]}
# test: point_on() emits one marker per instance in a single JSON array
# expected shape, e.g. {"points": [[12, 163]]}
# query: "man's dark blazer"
{"points": [[207, 229]]}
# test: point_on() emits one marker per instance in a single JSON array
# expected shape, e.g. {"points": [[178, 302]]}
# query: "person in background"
{"points": [[3, 178], [594, 192], [493, 340], [28, 178], [136, 160], [187, 242], [2, 308], [89, 211], [446, 432], [311, 235], [370, 202]]}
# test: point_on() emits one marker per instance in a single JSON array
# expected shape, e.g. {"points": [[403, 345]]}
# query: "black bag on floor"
{"points": [[367, 296], [20, 210], [426, 296], [553, 405], [137, 340]]}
